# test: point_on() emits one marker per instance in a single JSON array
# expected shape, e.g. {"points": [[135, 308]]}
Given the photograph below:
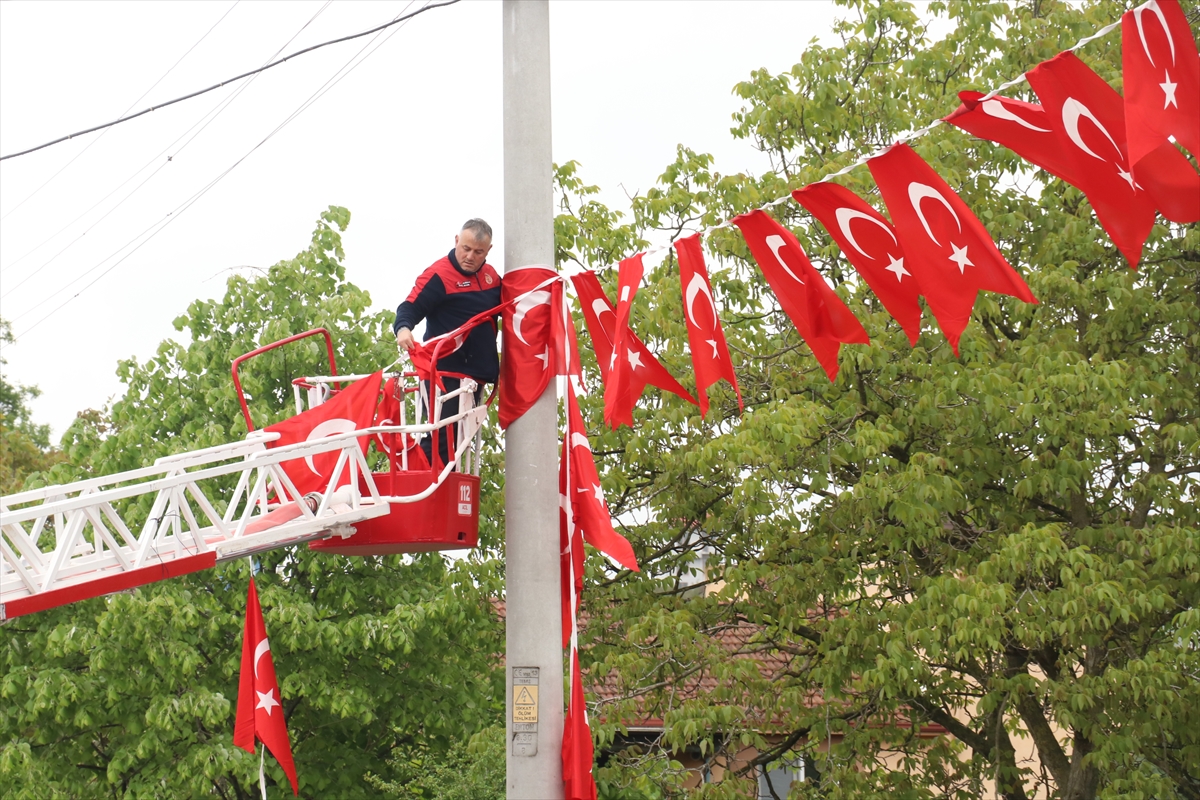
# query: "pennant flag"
{"points": [[949, 251], [874, 250], [616, 388], [534, 338], [349, 410], [393, 444], [1161, 79], [710, 354], [819, 315], [588, 509], [644, 368], [259, 708], [1090, 125], [578, 752], [571, 555], [1022, 127]]}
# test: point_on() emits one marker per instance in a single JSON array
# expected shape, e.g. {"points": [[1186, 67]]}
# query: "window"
{"points": [[774, 780]]}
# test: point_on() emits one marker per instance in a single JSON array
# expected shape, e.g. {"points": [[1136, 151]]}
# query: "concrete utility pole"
{"points": [[534, 658]]}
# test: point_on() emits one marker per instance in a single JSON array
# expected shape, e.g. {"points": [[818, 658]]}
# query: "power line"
{"points": [[420, 10], [123, 113], [203, 122], [154, 229]]}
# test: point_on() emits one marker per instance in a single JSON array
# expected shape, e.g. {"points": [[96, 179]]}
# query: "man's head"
{"points": [[472, 244]]}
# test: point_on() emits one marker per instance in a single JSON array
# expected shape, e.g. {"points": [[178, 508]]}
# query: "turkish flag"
{"points": [[351, 409], [819, 315], [388, 413], [570, 538], [259, 708], [1161, 79], [1027, 130], [874, 250], [534, 338], [644, 368], [949, 251], [1090, 125], [578, 751], [710, 354]]}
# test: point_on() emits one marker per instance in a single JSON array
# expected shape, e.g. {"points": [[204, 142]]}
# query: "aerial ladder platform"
{"points": [[71, 542]]}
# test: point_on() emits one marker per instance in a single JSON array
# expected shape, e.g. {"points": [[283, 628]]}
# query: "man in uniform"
{"points": [[448, 293]]}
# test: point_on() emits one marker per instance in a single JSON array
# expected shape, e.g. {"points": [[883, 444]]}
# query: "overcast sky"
{"points": [[409, 141]]}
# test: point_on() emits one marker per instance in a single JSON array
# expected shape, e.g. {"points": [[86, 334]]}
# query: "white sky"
{"points": [[410, 142]]}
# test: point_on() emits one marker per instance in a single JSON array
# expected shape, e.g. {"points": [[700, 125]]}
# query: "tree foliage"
{"points": [[1004, 546], [133, 695], [24, 445]]}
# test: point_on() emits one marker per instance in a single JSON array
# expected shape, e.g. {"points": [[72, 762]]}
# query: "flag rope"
{"points": [[913, 135]]}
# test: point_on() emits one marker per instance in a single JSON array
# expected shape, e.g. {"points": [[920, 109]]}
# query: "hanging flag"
{"points": [[570, 538], [819, 315], [949, 251], [710, 354], [616, 389], [534, 338], [260, 705], [578, 751], [388, 413], [874, 250], [351, 409], [1090, 125], [601, 319], [1161, 79], [1031, 133], [588, 508]]}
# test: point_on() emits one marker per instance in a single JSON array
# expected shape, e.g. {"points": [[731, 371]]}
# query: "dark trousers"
{"points": [[446, 437]]}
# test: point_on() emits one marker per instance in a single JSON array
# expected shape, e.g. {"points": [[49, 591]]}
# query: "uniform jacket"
{"points": [[446, 297]]}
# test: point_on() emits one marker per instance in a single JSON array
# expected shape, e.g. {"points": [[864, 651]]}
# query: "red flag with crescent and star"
{"points": [[535, 338], [617, 400], [819, 315], [351, 409], [578, 751], [644, 368], [710, 354], [1089, 121], [949, 251], [874, 250], [260, 705], [1161, 69]]}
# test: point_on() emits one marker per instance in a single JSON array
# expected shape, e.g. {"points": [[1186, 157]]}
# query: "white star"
{"points": [[713, 342], [1128, 177], [960, 257], [635, 360], [612, 360], [1168, 90], [545, 357], [897, 266], [266, 701], [596, 491]]}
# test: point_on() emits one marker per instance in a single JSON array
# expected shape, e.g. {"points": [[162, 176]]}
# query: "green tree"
{"points": [[24, 446], [133, 695], [1004, 544]]}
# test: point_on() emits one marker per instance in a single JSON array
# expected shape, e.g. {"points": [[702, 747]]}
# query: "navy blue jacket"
{"points": [[446, 297]]}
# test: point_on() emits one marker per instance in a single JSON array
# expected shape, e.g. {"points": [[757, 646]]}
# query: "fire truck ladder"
{"points": [[61, 544]]}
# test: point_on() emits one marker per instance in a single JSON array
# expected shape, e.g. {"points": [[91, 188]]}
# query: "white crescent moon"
{"points": [[696, 286], [524, 306], [1162, 18], [330, 427], [579, 440], [776, 243], [1071, 112], [845, 214], [994, 108], [263, 647], [600, 307], [918, 192]]}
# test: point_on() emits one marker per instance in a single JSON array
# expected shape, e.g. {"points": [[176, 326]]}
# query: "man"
{"points": [[447, 294]]}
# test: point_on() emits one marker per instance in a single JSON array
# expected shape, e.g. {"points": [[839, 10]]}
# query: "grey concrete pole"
{"points": [[534, 659]]}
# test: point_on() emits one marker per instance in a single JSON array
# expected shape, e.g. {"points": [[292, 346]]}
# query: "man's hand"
{"points": [[405, 340]]}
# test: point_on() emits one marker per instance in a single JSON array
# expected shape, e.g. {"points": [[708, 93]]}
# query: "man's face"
{"points": [[471, 250]]}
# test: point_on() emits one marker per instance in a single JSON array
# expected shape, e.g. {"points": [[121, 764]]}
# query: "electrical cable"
{"points": [[154, 229], [123, 113], [203, 122], [95, 128]]}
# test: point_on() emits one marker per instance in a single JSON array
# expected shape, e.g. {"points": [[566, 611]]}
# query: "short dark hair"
{"points": [[478, 227]]}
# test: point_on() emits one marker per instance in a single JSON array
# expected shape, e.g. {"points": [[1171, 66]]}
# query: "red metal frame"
{"points": [[247, 356]]}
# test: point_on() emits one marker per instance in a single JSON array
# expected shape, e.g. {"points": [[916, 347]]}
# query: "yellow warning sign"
{"points": [[525, 704]]}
